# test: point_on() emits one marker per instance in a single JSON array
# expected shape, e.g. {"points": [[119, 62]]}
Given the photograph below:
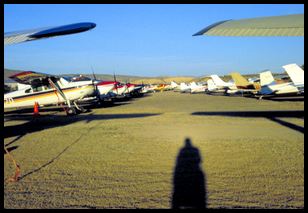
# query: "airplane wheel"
{"points": [[71, 111]]}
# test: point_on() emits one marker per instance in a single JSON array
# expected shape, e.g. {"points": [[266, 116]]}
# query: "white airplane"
{"points": [[105, 89], [137, 89], [212, 88], [270, 88], [119, 90], [48, 90], [184, 88], [195, 88], [148, 89], [131, 88], [220, 84], [174, 85], [43, 88], [211, 85], [297, 75]]}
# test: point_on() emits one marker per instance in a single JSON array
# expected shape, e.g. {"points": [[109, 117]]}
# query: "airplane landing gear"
{"points": [[79, 108], [71, 111]]}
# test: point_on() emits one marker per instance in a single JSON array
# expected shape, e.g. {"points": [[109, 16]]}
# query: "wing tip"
{"points": [[64, 30], [204, 30]]}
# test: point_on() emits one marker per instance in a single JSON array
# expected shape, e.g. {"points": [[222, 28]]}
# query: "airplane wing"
{"points": [[32, 78], [288, 25], [30, 35]]}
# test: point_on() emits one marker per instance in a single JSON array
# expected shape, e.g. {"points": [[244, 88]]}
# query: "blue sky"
{"points": [[148, 40]]}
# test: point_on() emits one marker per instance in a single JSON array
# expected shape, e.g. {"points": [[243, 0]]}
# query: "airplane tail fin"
{"points": [[239, 80], [217, 80], [211, 85], [173, 84], [266, 78], [296, 73], [193, 84]]}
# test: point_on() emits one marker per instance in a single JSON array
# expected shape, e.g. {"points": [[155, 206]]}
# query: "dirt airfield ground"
{"points": [[252, 153]]}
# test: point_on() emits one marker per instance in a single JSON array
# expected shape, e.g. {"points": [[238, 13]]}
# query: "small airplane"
{"points": [[195, 88], [220, 83], [218, 86], [213, 89], [297, 76], [48, 90], [270, 87], [160, 87], [148, 88], [105, 89], [243, 86], [184, 88], [134, 89], [174, 86], [120, 90]]}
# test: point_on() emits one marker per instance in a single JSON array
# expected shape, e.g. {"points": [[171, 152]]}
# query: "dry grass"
{"points": [[125, 156]]}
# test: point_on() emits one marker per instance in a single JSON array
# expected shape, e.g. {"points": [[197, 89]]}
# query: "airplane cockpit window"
{"points": [[67, 78], [46, 87], [38, 89], [28, 90], [80, 78]]}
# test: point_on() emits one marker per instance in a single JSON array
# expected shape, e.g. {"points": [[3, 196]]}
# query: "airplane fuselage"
{"points": [[46, 96]]}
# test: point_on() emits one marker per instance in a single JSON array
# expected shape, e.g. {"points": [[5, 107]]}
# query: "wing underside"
{"points": [[289, 25], [32, 78], [30, 35]]}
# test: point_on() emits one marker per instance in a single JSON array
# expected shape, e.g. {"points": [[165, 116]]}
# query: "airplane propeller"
{"points": [[94, 77], [93, 73], [115, 80]]}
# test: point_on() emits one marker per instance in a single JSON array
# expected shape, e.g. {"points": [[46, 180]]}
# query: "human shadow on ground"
{"points": [[189, 181], [271, 115]]}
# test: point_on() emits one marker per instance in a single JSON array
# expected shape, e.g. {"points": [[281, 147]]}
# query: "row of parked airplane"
{"points": [[264, 86], [48, 90]]}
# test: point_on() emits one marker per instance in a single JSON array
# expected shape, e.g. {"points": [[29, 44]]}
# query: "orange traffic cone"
{"points": [[36, 109]]}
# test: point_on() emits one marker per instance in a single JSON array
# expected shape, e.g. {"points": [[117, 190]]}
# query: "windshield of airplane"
{"points": [[76, 78]]}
